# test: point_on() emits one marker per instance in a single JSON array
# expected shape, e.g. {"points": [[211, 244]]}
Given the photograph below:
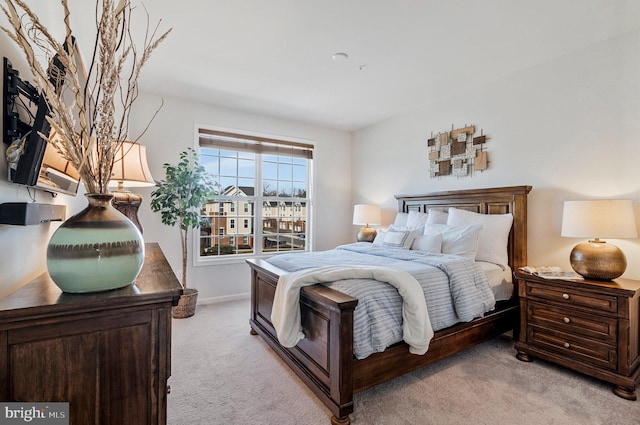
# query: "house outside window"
{"points": [[251, 171]]}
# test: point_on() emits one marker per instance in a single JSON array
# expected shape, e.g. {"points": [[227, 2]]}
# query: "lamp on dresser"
{"points": [[130, 169], [606, 218], [364, 214]]}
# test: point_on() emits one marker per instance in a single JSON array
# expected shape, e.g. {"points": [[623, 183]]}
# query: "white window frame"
{"points": [[197, 260]]}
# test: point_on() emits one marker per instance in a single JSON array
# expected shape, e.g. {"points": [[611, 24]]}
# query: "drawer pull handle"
{"points": [[565, 296], [567, 320], [567, 345]]}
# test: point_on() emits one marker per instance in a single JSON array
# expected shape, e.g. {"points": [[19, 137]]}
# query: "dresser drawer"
{"points": [[571, 321], [569, 297], [574, 347]]}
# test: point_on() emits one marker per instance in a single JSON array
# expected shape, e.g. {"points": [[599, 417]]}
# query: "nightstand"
{"points": [[589, 326]]}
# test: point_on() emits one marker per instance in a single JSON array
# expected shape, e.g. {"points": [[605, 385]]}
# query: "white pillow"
{"points": [[395, 238], [379, 237], [458, 240], [437, 217], [417, 230], [428, 243], [494, 236], [416, 219], [401, 219]]}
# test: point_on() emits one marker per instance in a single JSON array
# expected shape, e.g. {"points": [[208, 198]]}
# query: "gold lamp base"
{"points": [[598, 260], [366, 234]]}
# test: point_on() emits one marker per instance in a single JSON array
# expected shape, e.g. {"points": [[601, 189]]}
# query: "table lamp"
{"points": [[366, 214], [130, 169], [597, 259]]}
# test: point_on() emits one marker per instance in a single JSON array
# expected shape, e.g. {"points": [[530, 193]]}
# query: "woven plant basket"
{"points": [[187, 305]]}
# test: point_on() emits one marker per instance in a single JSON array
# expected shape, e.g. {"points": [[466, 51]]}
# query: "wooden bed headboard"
{"points": [[497, 200]]}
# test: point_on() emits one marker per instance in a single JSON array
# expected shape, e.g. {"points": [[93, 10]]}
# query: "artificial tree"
{"points": [[179, 199]]}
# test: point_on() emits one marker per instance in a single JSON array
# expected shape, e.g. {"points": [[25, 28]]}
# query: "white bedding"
{"points": [[500, 279], [454, 288], [285, 316]]}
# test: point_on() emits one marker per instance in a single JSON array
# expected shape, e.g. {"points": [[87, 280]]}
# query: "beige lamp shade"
{"points": [[366, 214], [597, 219], [608, 218], [130, 167]]}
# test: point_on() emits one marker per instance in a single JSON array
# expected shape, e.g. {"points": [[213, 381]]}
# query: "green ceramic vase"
{"points": [[97, 249]]}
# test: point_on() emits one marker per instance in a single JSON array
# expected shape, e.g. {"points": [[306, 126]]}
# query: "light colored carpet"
{"points": [[223, 375]]}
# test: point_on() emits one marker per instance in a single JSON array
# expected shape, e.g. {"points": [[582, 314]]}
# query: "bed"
{"points": [[325, 359]]}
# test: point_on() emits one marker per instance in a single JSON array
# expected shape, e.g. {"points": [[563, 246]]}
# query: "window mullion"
{"points": [[257, 207]]}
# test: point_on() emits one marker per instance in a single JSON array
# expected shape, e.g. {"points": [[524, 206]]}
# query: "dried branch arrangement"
{"points": [[90, 128]]}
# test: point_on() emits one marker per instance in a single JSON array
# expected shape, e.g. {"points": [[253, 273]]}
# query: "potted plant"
{"points": [[179, 199]]}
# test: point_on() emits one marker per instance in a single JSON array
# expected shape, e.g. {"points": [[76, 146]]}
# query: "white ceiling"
{"points": [[274, 57]]}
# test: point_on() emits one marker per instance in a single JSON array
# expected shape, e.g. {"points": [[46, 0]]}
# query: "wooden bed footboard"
{"points": [[324, 358]]}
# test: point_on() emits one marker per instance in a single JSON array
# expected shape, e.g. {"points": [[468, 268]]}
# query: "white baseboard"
{"points": [[216, 300]]}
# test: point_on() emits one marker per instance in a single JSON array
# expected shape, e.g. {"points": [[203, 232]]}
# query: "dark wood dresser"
{"points": [[108, 354], [588, 326]]}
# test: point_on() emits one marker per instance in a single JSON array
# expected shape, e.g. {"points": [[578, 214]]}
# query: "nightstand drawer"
{"points": [[571, 321], [574, 347], [569, 297]]}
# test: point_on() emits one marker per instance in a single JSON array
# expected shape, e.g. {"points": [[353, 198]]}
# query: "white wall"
{"points": [[569, 127], [23, 248], [173, 131]]}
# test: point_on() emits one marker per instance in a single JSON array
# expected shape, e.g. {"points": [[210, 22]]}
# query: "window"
{"points": [[272, 175]]}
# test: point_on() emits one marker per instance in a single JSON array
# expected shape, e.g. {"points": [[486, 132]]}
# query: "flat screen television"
{"points": [[31, 161]]}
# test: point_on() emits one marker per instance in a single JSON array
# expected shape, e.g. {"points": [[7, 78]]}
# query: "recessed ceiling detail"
{"points": [[340, 57]]}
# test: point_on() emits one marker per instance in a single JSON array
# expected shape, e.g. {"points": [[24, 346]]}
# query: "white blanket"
{"points": [[285, 316]]}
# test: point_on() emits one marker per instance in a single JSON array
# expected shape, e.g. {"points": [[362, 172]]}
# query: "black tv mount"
{"points": [[14, 127], [17, 93]]}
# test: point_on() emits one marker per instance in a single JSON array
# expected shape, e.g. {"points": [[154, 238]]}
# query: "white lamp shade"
{"points": [[130, 166], [367, 214], [606, 219]]}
